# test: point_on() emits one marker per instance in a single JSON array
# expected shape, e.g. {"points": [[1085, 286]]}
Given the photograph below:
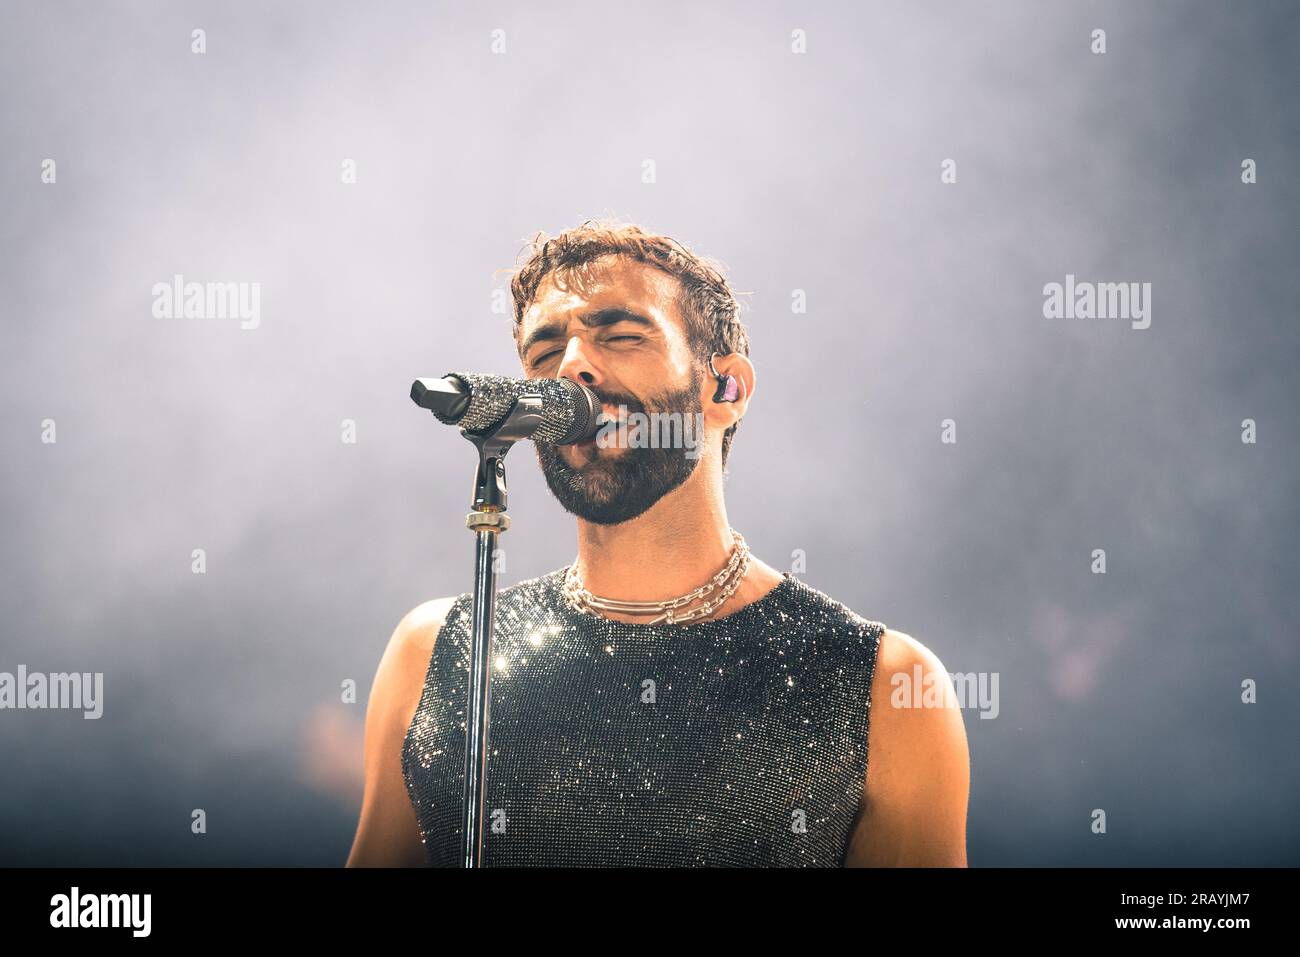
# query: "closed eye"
{"points": [[546, 357]]}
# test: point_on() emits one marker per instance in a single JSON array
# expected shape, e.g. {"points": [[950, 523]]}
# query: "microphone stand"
{"points": [[487, 520]]}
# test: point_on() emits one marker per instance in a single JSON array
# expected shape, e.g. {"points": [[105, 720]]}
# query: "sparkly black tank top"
{"points": [[736, 742]]}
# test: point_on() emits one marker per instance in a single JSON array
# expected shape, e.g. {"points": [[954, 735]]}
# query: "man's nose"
{"points": [[577, 366]]}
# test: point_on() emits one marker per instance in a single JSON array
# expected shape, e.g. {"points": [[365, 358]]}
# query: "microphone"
{"points": [[476, 402]]}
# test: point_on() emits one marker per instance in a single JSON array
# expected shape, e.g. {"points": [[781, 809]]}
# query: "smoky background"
{"points": [[817, 172]]}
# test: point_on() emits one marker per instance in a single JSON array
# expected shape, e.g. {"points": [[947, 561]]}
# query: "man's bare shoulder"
{"points": [[388, 834], [400, 676], [913, 703], [900, 652], [419, 627], [918, 772]]}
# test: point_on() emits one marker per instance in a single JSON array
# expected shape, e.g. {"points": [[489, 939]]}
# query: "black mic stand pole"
{"points": [[487, 520]]}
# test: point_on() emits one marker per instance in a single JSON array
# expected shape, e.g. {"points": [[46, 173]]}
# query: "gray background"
{"points": [[817, 172]]}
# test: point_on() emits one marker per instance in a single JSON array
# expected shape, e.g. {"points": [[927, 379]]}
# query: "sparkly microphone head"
{"points": [[569, 411]]}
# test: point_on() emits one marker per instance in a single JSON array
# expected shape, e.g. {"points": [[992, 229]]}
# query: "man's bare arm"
{"points": [[387, 833], [918, 767]]}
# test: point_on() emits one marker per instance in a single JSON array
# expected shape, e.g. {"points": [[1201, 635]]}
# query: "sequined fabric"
{"points": [[737, 742], [493, 396]]}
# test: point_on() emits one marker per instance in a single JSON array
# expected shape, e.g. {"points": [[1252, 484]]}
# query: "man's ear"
{"points": [[727, 412]]}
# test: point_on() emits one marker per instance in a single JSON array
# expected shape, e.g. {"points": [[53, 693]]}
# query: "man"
{"points": [[735, 733]]}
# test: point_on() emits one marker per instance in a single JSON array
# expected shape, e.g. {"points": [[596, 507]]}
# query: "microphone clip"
{"points": [[493, 443]]}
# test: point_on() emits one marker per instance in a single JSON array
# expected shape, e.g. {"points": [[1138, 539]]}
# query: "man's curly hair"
{"points": [[711, 311]]}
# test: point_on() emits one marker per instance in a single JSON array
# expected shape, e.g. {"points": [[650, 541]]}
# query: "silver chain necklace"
{"points": [[724, 583]]}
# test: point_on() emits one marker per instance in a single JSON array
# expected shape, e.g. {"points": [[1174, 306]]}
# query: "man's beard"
{"points": [[614, 487]]}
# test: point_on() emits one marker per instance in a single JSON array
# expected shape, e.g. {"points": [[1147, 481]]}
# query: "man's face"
{"points": [[615, 327]]}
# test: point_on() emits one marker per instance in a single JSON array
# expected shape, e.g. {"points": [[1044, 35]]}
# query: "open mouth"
{"points": [[603, 421]]}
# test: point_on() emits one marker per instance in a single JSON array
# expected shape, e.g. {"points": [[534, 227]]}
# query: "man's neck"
{"points": [[680, 543]]}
